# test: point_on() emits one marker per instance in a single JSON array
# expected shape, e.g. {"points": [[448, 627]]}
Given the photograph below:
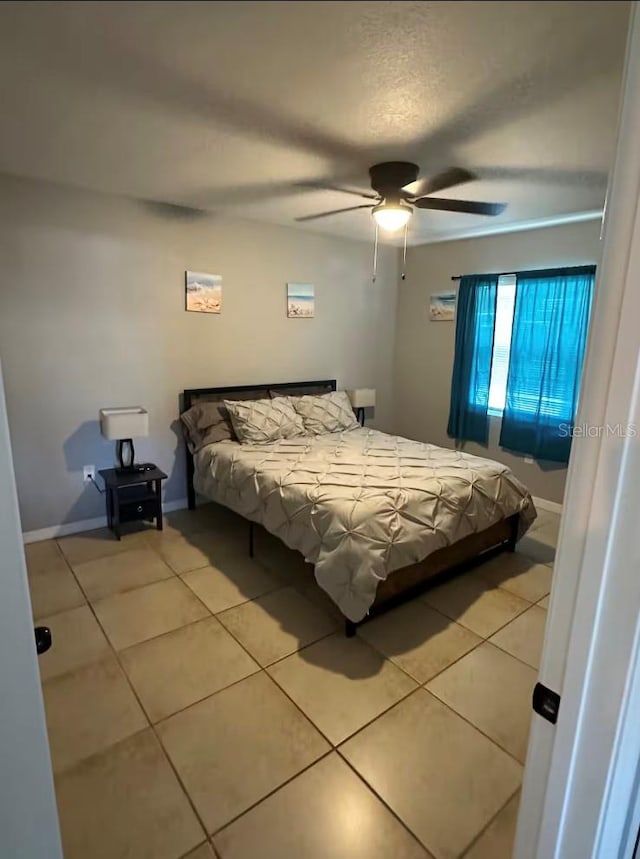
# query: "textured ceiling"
{"points": [[229, 106]]}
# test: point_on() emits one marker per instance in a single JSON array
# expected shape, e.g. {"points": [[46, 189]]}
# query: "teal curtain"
{"points": [[550, 324], [475, 323]]}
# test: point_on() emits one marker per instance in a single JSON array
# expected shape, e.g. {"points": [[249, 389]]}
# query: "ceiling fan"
{"points": [[397, 190]]}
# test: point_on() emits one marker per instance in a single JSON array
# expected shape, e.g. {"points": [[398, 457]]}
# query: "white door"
{"points": [[28, 816], [581, 775]]}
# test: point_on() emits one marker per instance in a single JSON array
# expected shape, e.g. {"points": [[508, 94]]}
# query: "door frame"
{"points": [[28, 815], [578, 800]]}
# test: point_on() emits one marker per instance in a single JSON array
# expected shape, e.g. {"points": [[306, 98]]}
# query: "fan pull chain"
{"points": [[404, 251], [375, 256]]}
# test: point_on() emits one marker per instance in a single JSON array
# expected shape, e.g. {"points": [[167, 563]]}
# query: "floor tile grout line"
{"points": [[306, 716], [405, 671], [167, 633], [511, 593], [310, 644], [101, 557], [98, 753], [204, 843], [205, 698], [493, 742], [486, 638], [150, 724], [295, 704], [175, 573], [478, 729], [252, 599], [264, 669], [445, 704], [512, 655], [144, 543], [451, 664], [274, 790], [477, 838], [155, 733], [297, 650], [490, 586], [153, 637], [185, 572], [260, 669], [128, 590], [384, 802], [423, 683], [176, 773], [228, 608], [504, 625], [348, 737]]}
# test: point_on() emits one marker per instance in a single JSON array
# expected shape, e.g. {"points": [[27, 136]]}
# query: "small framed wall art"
{"points": [[301, 302], [203, 292], [442, 307]]}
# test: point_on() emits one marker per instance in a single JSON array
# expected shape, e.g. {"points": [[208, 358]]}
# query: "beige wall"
{"points": [[424, 349], [92, 314]]}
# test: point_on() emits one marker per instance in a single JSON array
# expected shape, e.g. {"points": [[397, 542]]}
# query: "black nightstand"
{"points": [[133, 497]]}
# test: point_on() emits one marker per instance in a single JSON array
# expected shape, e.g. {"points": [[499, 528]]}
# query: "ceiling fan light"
{"points": [[391, 216]]}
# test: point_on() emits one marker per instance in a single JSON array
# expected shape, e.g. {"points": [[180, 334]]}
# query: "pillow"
{"points": [[206, 423], [311, 390], [260, 421], [326, 412]]}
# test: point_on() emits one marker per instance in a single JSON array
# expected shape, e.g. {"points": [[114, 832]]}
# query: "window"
{"points": [[558, 404], [520, 341], [502, 343]]}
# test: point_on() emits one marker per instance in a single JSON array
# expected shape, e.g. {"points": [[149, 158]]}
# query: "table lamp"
{"points": [[361, 399], [122, 426]]}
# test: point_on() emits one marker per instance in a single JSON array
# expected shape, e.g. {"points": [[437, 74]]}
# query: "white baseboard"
{"points": [[86, 525], [551, 506]]}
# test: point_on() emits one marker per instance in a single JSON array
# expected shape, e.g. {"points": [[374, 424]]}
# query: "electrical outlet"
{"points": [[89, 473]]}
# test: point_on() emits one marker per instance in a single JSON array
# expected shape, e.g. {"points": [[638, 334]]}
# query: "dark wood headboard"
{"points": [[190, 396]]}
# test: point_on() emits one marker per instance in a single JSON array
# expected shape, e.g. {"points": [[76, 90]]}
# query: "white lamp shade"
{"points": [[362, 398], [130, 422]]}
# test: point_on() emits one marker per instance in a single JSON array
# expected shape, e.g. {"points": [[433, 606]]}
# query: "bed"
{"points": [[379, 516]]}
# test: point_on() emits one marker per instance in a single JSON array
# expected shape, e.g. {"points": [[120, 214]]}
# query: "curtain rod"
{"points": [[539, 271]]}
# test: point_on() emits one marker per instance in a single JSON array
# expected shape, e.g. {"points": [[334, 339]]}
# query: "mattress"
{"points": [[360, 504]]}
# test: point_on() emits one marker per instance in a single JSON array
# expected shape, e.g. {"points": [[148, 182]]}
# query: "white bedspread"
{"points": [[360, 504]]}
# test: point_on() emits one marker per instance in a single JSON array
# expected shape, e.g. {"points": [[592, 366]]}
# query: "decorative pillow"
{"points": [[259, 421], [326, 412], [307, 390], [206, 423]]}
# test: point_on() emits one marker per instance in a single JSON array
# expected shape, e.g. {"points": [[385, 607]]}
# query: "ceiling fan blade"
{"points": [[440, 182], [334, 212], [326, 186], [470, 207]]}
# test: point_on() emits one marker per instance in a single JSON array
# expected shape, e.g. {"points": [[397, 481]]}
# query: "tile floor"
{"points": [[202, 704]]}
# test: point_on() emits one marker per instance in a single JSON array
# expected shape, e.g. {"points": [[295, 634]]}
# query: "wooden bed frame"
{"points": [[406, 582]]}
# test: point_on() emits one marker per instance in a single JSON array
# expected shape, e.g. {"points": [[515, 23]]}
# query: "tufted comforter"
{"points": [[360, 504]]}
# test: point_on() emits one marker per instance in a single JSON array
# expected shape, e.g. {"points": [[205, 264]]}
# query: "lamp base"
{"points": [[125, 452]]}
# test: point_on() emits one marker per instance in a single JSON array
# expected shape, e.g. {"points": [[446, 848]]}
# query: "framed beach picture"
{"points": [[301, 302], [442, 307], [203, 292]]}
